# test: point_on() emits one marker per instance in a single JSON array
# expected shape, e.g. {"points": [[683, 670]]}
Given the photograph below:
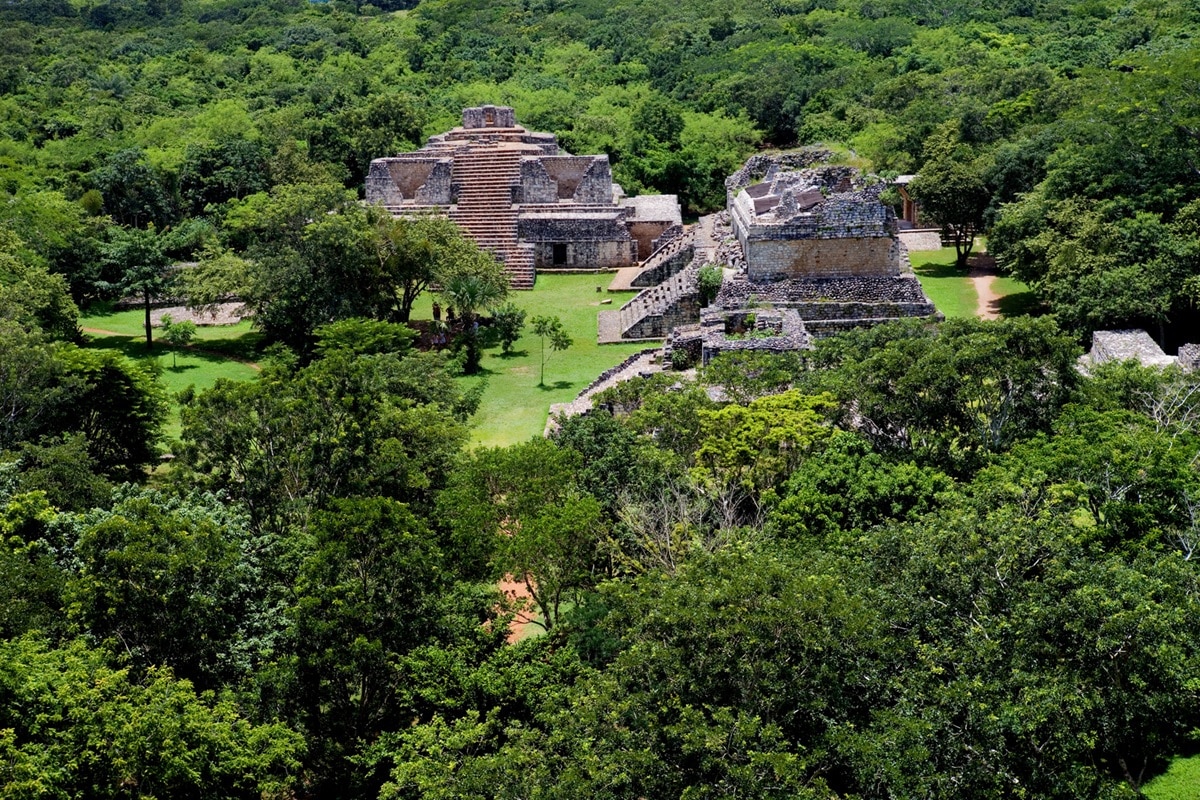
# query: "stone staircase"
{"points": [[655, 311], [667, 260], [485, 175]]}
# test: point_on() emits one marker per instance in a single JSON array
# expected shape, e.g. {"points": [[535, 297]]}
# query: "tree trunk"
{"points": [[149, 339]]}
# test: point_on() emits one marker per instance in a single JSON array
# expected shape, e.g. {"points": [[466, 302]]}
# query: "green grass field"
{"points": [[514, 407], [947, 286], [218, 351], [1181, 781]]}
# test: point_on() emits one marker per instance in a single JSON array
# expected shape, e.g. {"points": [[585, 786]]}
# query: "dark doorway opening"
{"points": [[560, 255]]}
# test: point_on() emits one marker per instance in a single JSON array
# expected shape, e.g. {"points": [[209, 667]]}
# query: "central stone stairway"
{"points": [[486, 175]]}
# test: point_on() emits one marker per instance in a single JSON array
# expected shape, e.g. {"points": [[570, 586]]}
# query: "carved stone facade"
{"points": [[521, 197]]}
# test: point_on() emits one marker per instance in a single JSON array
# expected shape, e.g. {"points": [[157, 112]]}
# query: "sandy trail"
{"points": [[982, 275]]}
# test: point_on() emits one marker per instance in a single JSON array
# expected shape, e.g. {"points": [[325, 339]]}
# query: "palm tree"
{"points": [[469, 292]]}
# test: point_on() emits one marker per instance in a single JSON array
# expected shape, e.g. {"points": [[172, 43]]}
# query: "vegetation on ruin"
{"points": [[921, 560]]}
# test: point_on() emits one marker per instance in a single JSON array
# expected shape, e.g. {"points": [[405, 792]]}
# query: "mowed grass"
{"points": [[213, 354], [1016, 298], [514, 408], [1181, 781], [947, 286]]}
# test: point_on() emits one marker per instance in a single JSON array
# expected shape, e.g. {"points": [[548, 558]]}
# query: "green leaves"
{"points": [[550, 328]]}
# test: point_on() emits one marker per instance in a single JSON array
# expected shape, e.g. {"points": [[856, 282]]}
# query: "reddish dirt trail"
{"points": [[518, 593]]}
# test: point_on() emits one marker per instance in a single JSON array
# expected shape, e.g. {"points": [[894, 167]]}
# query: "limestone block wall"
{"points": [[774, 259], [536, 184], [380, 187], [436, 189], [409, 179], [596, 185], [585, 255], [648, 234], [489, 117]]}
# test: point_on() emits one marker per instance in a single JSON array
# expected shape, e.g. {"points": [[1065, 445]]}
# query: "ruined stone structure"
{"points": [[809, 243], [518, 195], [1131, 345]]}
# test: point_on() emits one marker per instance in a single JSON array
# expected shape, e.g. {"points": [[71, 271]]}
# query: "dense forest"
{"points": [[924, 560]]}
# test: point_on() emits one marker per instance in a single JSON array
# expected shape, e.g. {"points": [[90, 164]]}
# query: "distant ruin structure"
{"points": [[808, 250], [520, 196]]}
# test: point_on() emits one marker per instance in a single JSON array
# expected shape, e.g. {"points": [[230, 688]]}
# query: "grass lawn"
{"points": [[947, 286], [514, 407], [1181, 781], [1016, 298], [211, 356]]}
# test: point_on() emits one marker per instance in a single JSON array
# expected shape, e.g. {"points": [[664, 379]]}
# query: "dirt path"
{"points": [[982, 275], [518, 593]]}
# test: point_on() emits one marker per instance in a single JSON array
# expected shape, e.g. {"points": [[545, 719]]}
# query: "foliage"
{"points": [[951, 190], [347, 424], [509, 320], [709, 279], [179, 334], [72, 724], [550, 328]]}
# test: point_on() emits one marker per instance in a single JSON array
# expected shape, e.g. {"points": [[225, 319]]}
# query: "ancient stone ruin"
{"points": [[808, 250], [518, 195]]}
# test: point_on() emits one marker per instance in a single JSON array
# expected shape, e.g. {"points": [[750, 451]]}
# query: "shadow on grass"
{"points": [[513, 354], [1020, 304], [135, 347], [551, 387], [936, 270], [244, 347], [178, 369]]}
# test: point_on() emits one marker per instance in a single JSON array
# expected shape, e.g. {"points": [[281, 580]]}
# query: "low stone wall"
{"points": [[738, 291], [776, 259], [921, 239]]}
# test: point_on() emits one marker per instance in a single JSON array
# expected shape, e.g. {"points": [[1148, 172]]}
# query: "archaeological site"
{"points": [[517, 194]]}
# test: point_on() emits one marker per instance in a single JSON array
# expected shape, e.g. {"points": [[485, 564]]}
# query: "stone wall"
{"points": [[489, 117], [665, 267], [420, 179], [1189, 357], [585, 255], [737, 291], [647, 235], [776, 259], [536, 184]]}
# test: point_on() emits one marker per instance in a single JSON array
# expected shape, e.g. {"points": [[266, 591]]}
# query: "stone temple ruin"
{"points": [[808, 250], [518, 195]]}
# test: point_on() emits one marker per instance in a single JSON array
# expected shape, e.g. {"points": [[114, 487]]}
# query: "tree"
{"points": [[550, 328], [348, 424], [134, 193], [367, 592], [471, 290], [139, 257], [415, 252], [72, 725], [179, 334], [165, 582], [951, 188], [508, 320]]}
